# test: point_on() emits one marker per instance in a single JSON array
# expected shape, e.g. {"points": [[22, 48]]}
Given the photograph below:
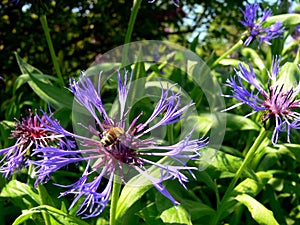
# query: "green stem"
{"points": [[231, 50], [170, 130], [30, 176], [114, 200], [43, 202], [250, 154], [44, 23], [117, 184], [133, 15]]}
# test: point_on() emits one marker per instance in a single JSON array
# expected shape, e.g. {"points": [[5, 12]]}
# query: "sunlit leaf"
{"points": [[253, 55], [21, 192], [253, 187], [291, 19], [58, 217], [289, 76], [258, 211], [176, 215]]}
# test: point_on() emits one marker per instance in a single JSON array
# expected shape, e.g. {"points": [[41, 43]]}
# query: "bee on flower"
{"points": [[122, 146]]}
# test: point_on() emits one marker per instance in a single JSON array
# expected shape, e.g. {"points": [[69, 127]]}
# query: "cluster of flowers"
{"points": [[52, 147], [277, 101], [43, 142]]}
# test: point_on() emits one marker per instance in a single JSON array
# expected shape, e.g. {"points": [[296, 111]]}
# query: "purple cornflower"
{"points": [[30, 133], [256, 29], [277, 103], [113, 149]]}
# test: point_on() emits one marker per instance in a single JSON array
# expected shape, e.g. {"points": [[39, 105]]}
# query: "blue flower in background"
{"points": [[276, 103], [256, 29], [30, 133], [112, 148]]}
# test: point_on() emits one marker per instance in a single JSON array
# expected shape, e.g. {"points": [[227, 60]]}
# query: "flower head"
{"points": [[118, 148], [30, 133], [256, 29], [278, 103]]}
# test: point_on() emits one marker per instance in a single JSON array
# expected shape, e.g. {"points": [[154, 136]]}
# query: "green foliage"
{"points": [[247, 181]]}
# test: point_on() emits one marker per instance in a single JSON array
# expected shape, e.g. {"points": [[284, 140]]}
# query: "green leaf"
{"points": [[42, 86], [25, 67], [253, 187], [290, 149], [25, 78], [270, 158], [56, 96], [5, 128], [227, 162], [59, 217], [289, 76], [237, 122], [258, 211], [229, 62], [197, 209], [251, 53], [194, 43], [207, 179], [131, 193], [137, 187], [44, 196], [176, 216], [150, 215], [275, 203], [291, 19], [21, 192], [102, 66]]}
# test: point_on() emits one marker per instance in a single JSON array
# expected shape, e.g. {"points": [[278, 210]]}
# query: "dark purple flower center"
{"points": [[278, 102], [30, 129]]}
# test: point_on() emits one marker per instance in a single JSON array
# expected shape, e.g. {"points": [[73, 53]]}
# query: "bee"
{"points": [[111, 135]]}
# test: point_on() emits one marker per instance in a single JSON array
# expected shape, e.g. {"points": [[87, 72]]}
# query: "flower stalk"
{"points": [[114, 200], [44, 23], [256, 147]]}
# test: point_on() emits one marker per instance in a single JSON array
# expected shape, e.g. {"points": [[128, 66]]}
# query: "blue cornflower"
{"points": [[277, 102], [256, 29], [113, 149], [30, 133]]}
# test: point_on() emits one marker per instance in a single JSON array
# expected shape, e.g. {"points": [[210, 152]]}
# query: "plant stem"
{"points": [[44, 23], [43, 202], [117, 184], [29, 177], [114, 200], [235, 47], [133, 15], [249, 156]]}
